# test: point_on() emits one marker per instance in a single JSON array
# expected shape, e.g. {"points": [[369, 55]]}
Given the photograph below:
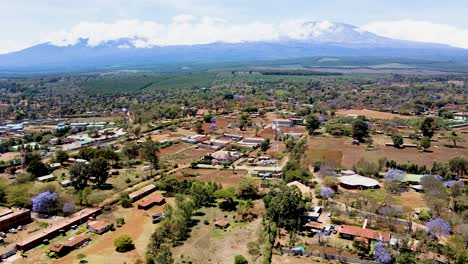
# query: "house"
{"points": [[71, 244], [351, 232], [314, 214], [282, 123], [195, 139], [136, 195], [65, 183], [225, 156], [12, 218], [357, 181], [223, 223], [151, 201], [314, 227], [460, 116], [98, 227], [46, 178], [233, 136]]}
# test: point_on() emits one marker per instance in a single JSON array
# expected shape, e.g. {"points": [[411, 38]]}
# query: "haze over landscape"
{"points": [[234, 131]]}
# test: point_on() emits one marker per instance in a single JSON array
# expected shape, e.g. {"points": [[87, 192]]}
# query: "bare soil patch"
{"points": [[226, 177], [371, 114]]}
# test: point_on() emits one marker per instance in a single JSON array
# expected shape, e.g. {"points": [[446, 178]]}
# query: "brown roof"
{"points": [[75, 241], [143, 190], [151, 200], [315, 225], [97, 225], [222, 223], [366, 233]]}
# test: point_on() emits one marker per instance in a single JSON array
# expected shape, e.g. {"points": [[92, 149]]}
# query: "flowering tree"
{"points": [[326, 193], [381, 254], [68, 208], [391, 213], [395, 175], [44, 202], [438, 227]]}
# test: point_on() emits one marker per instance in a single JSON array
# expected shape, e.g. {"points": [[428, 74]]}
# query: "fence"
{"points": [[325, 256]]}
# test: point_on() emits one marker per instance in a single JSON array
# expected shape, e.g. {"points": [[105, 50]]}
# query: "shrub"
{"points": [[123, 243], [206, 222], [125, 201], [119, 222], [239, 259]]}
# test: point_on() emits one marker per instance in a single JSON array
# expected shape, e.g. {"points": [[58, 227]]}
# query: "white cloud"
{"points": [[420, 31]]}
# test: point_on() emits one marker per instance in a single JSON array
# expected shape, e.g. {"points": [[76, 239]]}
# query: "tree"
{"points": [[98, 168], [247, 188], [125, 201], [37, 168], [406, 258], [327, 193], [45, 203], [164, 255], [239, 259], [68, 208], [454, 138], [123, 243], [131, 150], [312, 123], [458, 165], [265, 144], [437, 228], [397, 141], [427, 127], [393, 180], [149, 152], [381, 254], [79, 175], [61, 156], [198, 127], [435, 193], [425, 143], [360, 128], [285, 206]]}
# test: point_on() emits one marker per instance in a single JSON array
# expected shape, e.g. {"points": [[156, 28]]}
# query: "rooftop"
{"points": [[366, 233], [358, 180]]}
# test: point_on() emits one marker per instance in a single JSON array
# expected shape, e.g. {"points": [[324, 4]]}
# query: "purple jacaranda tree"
{"points": [[438, 177], [381, 254], [450, 184], [395, 175], [438, 227], [68, 208], [321, 118], [326, 193], [44, 202]]}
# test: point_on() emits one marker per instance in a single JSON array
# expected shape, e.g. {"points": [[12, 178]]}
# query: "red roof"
{"points": [[366, 233], [222, 223], [152, 200], [315, 225]]}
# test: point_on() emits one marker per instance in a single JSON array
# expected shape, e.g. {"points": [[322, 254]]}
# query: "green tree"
{"points": [[79, 175], [360, 128], [312, 123], [61, 156], [285, 206], [459, 166], [397, 140], [149, 152], [131, 150], [37, 168], [454, 138], [265, 144], [98, 168], [425, 143], [164, 255], [427, 127], [239, 259], [123, 243], [247, 188], [198, 127]]}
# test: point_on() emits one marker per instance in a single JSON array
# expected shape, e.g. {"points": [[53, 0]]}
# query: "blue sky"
{"points": [[28, 22]]}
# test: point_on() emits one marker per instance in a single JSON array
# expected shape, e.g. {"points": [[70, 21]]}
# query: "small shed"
{"points": [[223, 224], [46, 178], [98, 227], [151, 201]]}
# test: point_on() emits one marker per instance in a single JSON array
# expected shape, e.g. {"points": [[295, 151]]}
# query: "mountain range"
{"points": [[338, 39]]}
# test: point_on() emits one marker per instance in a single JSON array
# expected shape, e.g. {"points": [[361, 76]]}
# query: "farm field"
{"points": [[226, 177], [340, 151], [371, 114]]}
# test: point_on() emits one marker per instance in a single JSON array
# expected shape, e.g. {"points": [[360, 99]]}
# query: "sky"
{"points": [[156, 22]]}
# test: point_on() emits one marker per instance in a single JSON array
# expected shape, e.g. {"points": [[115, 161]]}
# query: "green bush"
{"points": [[125, 201], [239, 259], [123, 243], [119, 222]]}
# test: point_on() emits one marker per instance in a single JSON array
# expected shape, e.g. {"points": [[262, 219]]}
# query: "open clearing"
{"points": [[330, 149], [210, 245], [226, 177], [371, 114]]}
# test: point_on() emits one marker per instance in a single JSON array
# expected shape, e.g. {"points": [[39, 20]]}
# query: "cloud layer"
{"points": [[420, 31]]}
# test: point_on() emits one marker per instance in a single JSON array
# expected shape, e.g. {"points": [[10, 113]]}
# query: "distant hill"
{"points": [[338, 40]]}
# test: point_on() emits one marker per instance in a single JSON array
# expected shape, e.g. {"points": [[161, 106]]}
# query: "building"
{"points": [[12, 218], [136, 195], [98, 227], [70, 245], [351, 232], [223, 223], [314, 227], [314, 214], [282, 123], [151, 201], [357, 181], [195, 139], [39, 237], [460, 116], [221, 156], [233, 136], [46, 178], [303, 188]]}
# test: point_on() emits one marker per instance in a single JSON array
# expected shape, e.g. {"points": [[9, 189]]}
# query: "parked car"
{"points": [[157, 218], [334, 231], [3, 234], [13, 231], [20, 228]]}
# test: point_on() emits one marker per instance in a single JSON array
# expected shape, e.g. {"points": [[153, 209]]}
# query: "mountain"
{"points": [[309, 39]]}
